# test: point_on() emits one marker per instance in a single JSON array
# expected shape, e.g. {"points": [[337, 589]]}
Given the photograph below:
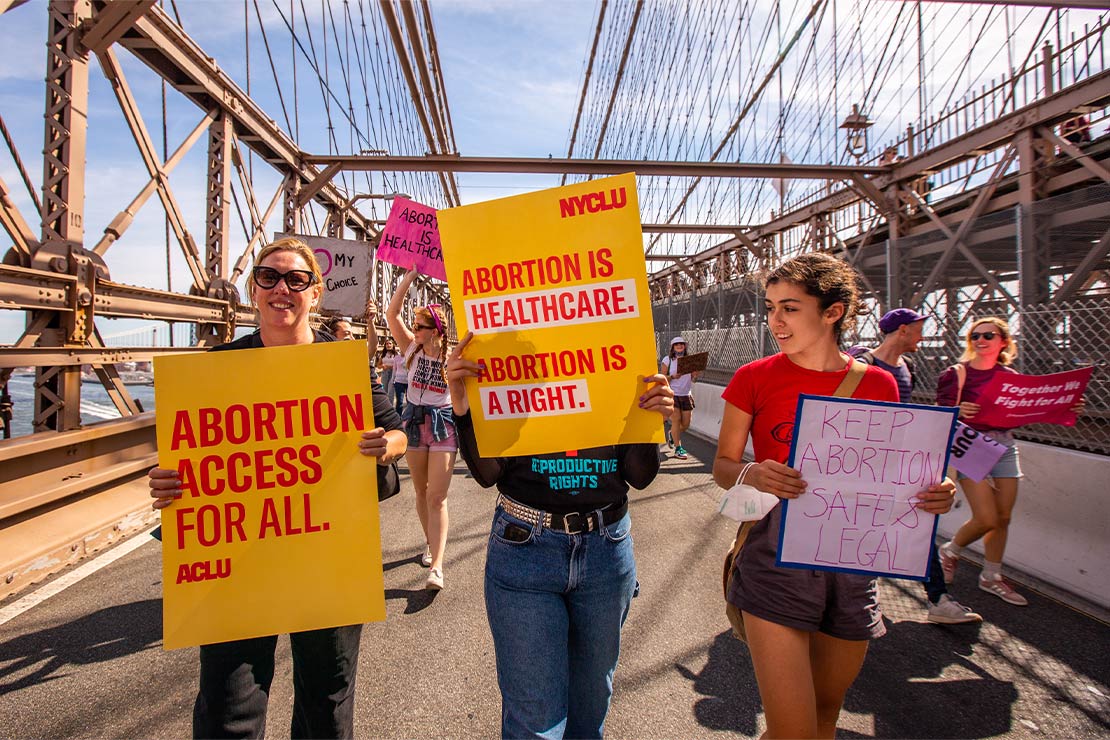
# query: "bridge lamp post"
{"points": [[855, 125]]}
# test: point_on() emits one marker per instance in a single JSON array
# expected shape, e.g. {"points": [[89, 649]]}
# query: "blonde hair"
{"points": [[1009, 347], [287, 244], [432, 316]]}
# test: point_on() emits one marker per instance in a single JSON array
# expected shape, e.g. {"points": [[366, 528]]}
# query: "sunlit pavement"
{"points": [[89, 661]]}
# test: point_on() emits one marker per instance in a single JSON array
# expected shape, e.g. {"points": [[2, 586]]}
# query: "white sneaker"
{"points": [[426, 558], [950, 611], [435, 580], [1002, 590]]}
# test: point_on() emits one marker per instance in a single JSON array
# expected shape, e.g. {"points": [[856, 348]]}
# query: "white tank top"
{"points": [[426, 384]]}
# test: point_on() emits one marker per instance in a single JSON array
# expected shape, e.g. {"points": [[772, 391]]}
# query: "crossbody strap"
{"points": [[851, 381], [961, 377]]}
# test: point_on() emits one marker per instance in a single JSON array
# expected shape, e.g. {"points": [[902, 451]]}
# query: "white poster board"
{"points": [[864, 462], [345, 266]]}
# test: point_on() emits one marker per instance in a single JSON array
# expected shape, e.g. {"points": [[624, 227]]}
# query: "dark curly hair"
{"points": [[828, 279]]}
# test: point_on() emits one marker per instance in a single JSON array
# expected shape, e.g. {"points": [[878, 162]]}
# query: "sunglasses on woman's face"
{"points": [[988, 335], [295, 280], [418, 327]]}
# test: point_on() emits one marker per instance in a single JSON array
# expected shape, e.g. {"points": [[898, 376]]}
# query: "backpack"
{"points": [[845, 390], [868, 357]]}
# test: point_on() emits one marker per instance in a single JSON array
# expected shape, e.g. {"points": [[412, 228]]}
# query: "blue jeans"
{"points": [[934, 584], [399, 391], [556, 604]]}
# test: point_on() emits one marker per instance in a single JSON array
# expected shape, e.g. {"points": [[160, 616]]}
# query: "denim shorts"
{"points": [[1009, 465], [843, 605]]}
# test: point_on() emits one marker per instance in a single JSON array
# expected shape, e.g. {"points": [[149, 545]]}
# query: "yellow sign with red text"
{"points": [[554, 287], [277, 526]]}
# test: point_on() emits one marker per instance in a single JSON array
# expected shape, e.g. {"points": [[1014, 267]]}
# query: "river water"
{"points": [[95, 403]]}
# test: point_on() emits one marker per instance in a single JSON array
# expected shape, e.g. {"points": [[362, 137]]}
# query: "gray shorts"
{"points": [[843, 605]]}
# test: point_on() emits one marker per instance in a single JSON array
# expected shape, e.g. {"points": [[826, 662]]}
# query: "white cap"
{"points": [[677, 340]]}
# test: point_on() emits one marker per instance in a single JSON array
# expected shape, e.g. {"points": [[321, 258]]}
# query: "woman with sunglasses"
{"points": [[989, 349], [427, 418], [284, 287], [807, 630]]}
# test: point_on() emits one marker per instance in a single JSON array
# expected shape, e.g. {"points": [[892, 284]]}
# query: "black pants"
{"points": [[235, 682]]}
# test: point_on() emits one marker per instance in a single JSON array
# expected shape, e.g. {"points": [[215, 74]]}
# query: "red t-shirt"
{"points": [[768, 389]]}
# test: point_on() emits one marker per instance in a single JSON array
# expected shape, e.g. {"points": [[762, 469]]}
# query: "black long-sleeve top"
{"points": [[562, 482]]}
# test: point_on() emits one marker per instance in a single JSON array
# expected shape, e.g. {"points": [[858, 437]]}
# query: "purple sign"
{"points": [[974, 453], [410, 238]]}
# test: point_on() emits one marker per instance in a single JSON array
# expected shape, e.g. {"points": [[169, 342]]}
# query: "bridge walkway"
{"points": [[88, 662]]}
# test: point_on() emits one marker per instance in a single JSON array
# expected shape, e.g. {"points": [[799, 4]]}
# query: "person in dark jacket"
{"points": [[285, 286], [560, 573]]}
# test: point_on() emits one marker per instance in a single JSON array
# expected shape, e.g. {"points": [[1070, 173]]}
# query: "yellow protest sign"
{"points": [[277, 527], [554, 287]]}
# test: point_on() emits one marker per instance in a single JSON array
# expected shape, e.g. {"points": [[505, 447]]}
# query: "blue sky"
{"points": [[512, 72]]}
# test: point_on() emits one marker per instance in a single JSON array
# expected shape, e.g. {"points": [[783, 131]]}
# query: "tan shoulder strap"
{"points": [[961, 377], [851, 381]]}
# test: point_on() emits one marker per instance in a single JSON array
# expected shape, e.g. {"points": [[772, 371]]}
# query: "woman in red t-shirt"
{"points": [[807, 630]]}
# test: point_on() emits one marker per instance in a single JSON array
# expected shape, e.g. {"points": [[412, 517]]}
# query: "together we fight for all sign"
{"points": [[276, 529], [554, 288]]}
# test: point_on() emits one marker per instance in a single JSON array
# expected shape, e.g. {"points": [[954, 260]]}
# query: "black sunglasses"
{"points": [[988, 335], [295, 280], [418, 327]]}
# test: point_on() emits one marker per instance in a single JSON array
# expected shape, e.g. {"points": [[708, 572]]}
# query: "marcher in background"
{"points": [[901, 330], [284, 287], [427, 418], [340, 328], [683, 387], [807, 630], [989, 349], [388, 360], [560, 572]]}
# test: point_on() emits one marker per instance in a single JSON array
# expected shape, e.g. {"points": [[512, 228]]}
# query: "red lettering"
{"points": [[323, 415], [211, 484], [182, 431], [313, 471], [264, 415], [235, 461], [210, 431], [262, 469], [284, 458], [243, 433]]}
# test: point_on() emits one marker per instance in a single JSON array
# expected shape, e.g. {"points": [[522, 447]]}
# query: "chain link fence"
{"points": [[1051, 337]]}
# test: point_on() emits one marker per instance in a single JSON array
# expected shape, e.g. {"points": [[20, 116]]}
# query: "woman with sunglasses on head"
{"points": [[807, 630], [988, 351], [284, 287], [427, 418]]}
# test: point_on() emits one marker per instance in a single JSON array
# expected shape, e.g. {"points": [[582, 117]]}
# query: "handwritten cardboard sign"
{"points": [[864, 462], [975, 453], [345, 266], [410, 238], [554, 287], [277, 526], [693, 363], [1011, 400]]}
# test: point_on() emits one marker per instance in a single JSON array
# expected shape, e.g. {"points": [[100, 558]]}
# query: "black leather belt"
{"points": [[575, 522]]}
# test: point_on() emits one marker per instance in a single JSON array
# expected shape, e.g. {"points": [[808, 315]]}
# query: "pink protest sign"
{"points": [[1011, 400], [411, 238], [974, 453], [864, 463]]}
